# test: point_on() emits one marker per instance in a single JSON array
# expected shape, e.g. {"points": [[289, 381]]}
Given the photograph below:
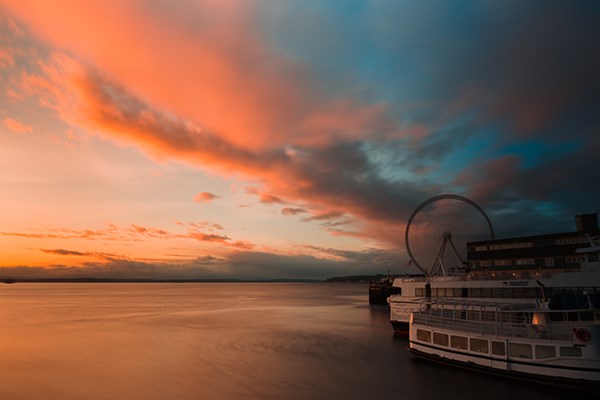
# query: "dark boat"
{"points": [[379, 291]]}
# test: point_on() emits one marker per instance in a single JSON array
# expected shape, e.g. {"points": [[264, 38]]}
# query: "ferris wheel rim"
{"points": [[433, 199]]}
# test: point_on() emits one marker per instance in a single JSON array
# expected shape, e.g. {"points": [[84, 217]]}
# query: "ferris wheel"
{"points": [[439, 229]]}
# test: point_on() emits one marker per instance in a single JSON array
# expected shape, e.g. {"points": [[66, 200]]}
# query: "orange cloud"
{"points": [[212, 94], [6, 58], [205, 197], [16, 126]]}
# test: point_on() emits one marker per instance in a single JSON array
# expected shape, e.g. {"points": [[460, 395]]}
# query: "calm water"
{"points": [[217, 341]]}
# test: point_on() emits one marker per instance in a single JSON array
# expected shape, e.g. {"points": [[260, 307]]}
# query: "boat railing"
{"points": [[558, 325], [514, 330]]}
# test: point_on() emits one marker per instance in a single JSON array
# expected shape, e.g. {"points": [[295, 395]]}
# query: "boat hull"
{"points": [[401, 328], [577, 384]]}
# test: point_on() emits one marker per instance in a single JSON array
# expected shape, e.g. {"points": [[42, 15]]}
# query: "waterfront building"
{"points": [[531, 255]]}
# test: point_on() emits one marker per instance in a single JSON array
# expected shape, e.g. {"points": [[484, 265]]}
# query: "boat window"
{"points": [[423, 335], [570, 351], [498, 348], [420, 292], [486, 292], [459, 342], [440, 338], [475, 292], [498, 293], [520, 350], [531, 292], [479, 345], [434, 292], [458, 292], [545, 351]]}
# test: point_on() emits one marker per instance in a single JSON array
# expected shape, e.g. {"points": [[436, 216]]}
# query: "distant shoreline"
{"points": [[337, 279], [102, 280]]}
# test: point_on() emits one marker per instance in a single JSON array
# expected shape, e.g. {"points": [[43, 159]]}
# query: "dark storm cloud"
{"points": [[343, 175], [525, 71]]}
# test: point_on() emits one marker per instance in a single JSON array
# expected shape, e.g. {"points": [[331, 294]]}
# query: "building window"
{"points": [[507, 246], [525, 261], [576, 240], [574, 259], [549, 262]]}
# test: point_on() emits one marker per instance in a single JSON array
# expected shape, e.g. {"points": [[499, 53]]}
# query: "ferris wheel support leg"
{"points": [[438, 264], [457, 256]]}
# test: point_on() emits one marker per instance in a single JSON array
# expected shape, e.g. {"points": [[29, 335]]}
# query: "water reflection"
{"points": [[215, 341]]}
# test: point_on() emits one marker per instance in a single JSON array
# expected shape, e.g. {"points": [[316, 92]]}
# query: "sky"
{"points": [[280, 139]]}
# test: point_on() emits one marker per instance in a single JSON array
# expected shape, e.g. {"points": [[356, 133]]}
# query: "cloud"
{"points": [[133, 233], [64, 252], [433, 110], [206, 225], [205, 197], [324, 216], [208, 237], [237, 265], [292, 211], [6, 59], [16, 126]]}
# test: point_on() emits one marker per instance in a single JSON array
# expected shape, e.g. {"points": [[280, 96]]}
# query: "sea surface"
{"points": [[218, 341]]}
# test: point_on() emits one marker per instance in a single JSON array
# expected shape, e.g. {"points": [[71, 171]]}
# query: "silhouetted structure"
{"points": [[553, 252]]}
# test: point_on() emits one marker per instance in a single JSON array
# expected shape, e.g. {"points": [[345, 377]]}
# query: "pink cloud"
{"points": [[218, 72], [16, 126], [225, 100], [205, 197]]}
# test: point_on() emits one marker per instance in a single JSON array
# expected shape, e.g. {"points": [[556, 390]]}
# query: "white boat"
{"points": [[545, 343], [524, 288]]}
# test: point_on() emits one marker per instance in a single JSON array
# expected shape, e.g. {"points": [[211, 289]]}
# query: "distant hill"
{"points": [[356, 278]]}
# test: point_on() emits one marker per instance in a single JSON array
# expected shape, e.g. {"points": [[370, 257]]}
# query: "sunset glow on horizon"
{"points": [[282, 139]]}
